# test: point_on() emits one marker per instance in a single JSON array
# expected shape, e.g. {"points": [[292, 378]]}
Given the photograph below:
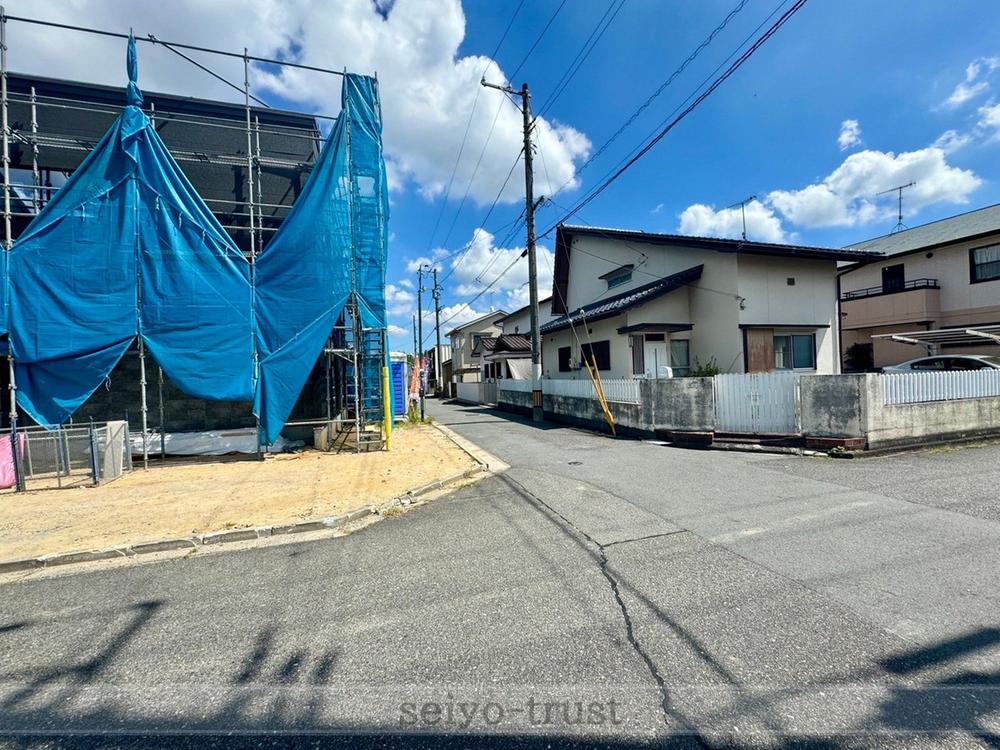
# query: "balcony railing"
{"points": [[875, 291]]}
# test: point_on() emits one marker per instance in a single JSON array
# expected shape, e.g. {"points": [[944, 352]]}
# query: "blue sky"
{"points": [[774, 126], [917, 83]]}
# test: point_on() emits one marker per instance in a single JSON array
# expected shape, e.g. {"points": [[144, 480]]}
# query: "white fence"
{"points": [[917, 387], [521, 386], [757, 403], [621, 391], [477, 393], [468, 392]]}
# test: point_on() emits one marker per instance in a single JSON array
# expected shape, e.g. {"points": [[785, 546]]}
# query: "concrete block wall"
{"points": [[182, 412], [675, 404], [895, 425], [852, 407]]}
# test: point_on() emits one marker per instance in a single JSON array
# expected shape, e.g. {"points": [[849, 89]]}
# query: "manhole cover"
{"points": [[576, 463]]}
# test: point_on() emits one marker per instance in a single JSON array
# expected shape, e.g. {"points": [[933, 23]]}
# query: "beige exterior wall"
{"points": [[520, 323], [711, 304], [958, 302], [462, 358], [807, 305]]}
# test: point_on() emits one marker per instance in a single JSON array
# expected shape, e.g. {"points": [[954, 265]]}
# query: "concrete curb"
{"points": [[231, 535], [485, 459]]}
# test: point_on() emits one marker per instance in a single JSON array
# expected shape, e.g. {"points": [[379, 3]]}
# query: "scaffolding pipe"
{"points": [[7, 242], [36, 177], [205, 121], [246, 93], [224, 53], [260, 189]]}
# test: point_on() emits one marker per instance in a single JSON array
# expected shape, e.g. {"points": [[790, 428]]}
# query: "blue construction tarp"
{"points": [[125, 248], [336, 230], [302, 282], [369, 199]]}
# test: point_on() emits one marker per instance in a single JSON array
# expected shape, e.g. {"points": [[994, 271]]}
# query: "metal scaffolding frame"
{"points": [[351, 349]]}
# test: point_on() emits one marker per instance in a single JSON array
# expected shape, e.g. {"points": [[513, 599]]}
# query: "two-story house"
{"points": [[941, 275], [655, 305], [466, 346]]}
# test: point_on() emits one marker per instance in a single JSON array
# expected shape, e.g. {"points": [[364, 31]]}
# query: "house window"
{"points": [[893, 278], [795, 351], [680, 356], [984, 263], [599, 350], [565, 354], [619, 278]]}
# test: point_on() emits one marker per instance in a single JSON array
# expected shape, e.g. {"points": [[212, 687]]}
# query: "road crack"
{"points": [[669, 714]]}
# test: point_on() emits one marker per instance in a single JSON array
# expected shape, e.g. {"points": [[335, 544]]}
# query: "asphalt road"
{"points": [[608, 592]]}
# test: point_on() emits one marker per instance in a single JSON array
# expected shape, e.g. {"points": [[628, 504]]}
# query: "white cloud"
{"points": [[850, 134], [484, 263], [975, 83], [847, 196], [700, 220], [989, 119], [399, 301], [455, 315], [395, 330], [406, 283], [427, 86], [951, 141], [657, 209]]}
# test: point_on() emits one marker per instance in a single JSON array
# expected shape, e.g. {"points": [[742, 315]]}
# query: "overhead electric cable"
{"points": [[645, 149], [581, 57], [465, 136]]}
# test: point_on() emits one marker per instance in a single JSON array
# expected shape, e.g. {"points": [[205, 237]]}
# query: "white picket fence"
{"points": [[757, 402], [621, 391], [917, 387]]}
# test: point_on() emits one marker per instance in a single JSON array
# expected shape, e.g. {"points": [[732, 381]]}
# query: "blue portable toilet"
{"points": [[397, 378]]}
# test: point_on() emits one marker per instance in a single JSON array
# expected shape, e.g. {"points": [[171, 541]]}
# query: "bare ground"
{"points": [[179, 498]]}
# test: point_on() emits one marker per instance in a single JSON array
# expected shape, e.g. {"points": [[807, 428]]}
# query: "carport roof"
{"points": [[938, 336]]}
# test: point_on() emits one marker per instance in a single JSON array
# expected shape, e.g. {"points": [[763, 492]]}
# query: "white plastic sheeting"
{"points": [[211, 443]]}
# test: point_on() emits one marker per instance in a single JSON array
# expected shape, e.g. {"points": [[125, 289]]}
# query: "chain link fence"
{"points": [[70, 456]]}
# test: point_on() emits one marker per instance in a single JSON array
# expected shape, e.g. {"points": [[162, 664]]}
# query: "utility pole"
{"points": [[420, 337], [438, 364], [529, 221]]}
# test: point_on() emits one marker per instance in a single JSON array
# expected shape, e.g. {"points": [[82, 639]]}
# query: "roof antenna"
{"points": [[743, 212], [900, 226]]}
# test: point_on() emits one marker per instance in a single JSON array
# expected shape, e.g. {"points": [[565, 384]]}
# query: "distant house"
{"points": [[942, 275], [509, 354], [654, 305], [466, 352]]}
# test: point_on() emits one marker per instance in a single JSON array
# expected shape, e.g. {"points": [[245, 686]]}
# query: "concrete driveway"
{"points": [[608, 592]]}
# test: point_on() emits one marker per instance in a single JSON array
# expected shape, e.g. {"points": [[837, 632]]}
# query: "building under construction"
{"points": [[304, 302]]}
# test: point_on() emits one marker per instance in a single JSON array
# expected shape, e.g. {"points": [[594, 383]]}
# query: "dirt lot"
{"points": [[180, 498]]}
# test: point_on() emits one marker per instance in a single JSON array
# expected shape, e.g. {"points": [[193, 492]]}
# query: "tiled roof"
{"points": [[512, 342], [616, 305], [952, 229]]}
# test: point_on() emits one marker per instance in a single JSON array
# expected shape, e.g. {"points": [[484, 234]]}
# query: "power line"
{"points": [[690, 108], [465, 136], [489, 213], [672, 77], [537, 40], [496, 117], [677, 109], [581, 56]]}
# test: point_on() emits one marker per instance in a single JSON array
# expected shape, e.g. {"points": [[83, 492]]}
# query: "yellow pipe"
{"points": [[387, 406]]}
